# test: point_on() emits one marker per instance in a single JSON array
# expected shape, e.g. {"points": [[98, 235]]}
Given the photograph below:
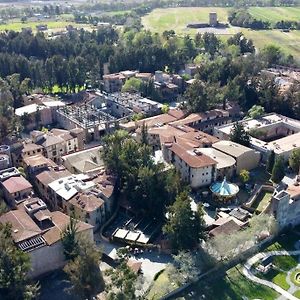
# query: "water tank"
{"points": [[5, 151]]}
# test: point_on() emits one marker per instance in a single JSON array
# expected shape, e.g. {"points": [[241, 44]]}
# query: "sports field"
{"points": [[160, 20]]}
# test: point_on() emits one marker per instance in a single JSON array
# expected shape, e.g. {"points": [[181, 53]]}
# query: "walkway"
{"points": [[250, 262]]}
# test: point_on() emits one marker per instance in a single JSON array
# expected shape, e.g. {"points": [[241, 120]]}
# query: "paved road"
{"points": [[247, 271]]}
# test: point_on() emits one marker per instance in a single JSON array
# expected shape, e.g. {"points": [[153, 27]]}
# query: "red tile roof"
{"points": [[16, 184], [192, 158]]}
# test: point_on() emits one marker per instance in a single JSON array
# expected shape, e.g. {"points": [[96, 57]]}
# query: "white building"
{"points": [[270, 132], [91, 199], [195, 167]]}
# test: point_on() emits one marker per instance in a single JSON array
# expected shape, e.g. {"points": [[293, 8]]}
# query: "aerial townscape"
{"points": [[149, 149]]}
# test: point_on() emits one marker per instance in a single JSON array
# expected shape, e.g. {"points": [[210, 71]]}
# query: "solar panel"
{"points": [[32, 243]]}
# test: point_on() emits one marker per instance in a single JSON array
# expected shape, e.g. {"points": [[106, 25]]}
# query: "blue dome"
{"points": [[224, 188]]}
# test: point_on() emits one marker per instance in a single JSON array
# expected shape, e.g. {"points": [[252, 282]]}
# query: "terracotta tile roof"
{"points": [[49, 140], [177, 113], [64, 134], [60, 220], [105, 183], [157, 120], [16, 184], [193, 159], [50, 175], [227, 228], [23, 227], [37, 160], [30, 147], [197, 139], [143, 75], [189, 119], [87, 202], [115, 76]]}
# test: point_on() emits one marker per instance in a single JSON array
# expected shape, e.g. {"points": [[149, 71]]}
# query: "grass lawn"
{"points": [[275, 14], [285, 262], [17, 26], [262, 200], [234, 287], [160, 287], [163, 19], [276, 277], [160, 20], [297, 294], [280, 280]]}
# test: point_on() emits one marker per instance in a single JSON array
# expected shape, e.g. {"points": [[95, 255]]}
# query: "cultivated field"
{"points": [[274, 14], [52, 23], [160, 20]]}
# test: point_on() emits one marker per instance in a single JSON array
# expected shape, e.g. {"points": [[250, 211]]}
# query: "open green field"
{"points": [[17, 26], [163, 19], [160, 20], [275, 14]]}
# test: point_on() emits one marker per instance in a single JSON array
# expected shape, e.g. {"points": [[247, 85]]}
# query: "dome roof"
{"points": [[224, 188]]}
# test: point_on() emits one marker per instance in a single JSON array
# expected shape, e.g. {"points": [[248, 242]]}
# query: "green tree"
{"points": [[123, 283], [84, 272], [244, 176], [3, 207], [184, 227], [69, 240], [271, 54], [14, 266], [196, 97], [239, 135], [113, 144], [144, 134], [270, 162], [25, 119], [132, 85], [294, 160], [165, 108], [278, 170], [256, 111]]}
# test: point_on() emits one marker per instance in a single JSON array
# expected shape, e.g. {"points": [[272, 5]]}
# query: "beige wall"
{"points": [[196, 177], [247, 161], [50, 258]]}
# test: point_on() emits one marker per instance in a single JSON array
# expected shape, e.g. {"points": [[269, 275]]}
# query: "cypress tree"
{"points": [[270, 162], [278, 170]]}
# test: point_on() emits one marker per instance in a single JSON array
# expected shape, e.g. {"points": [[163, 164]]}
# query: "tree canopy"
{"points": [[278, 170], [184, 227], [239, 135], [294, 160], [84, 271], [147, 186], [14, 267]]}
